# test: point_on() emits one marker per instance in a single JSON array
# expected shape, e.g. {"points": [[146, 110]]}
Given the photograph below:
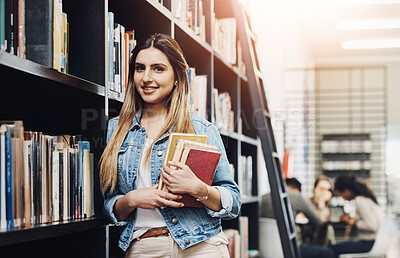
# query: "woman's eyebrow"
{"points": [[156, 64], [159, 64]]}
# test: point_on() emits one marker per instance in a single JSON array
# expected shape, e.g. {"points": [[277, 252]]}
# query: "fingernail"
{"points": [[182, 205]]}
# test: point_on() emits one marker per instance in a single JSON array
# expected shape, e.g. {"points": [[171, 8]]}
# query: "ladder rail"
{"points": [[280, 200]]}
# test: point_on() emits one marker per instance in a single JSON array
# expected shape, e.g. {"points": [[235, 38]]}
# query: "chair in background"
{"points": [[379, 249]]}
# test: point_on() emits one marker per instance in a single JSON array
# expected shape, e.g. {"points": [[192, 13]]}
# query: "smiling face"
{"points": [[154, 77]]}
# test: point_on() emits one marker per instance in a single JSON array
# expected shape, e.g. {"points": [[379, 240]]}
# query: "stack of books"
{"points": [[194, 151]]}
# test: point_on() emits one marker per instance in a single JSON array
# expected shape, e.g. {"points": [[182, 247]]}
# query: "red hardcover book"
{"points": [[203, 163]]}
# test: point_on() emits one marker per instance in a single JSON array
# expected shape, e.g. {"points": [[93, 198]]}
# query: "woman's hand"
{"points": [[145, 198], [182, 179], [348, 219], [151, 198]]}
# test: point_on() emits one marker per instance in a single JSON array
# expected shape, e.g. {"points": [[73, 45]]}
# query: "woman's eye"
{"points": [[159, 69], [139, 68]]}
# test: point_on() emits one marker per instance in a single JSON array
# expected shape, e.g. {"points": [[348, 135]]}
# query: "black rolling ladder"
{"points": [[280, 200]]}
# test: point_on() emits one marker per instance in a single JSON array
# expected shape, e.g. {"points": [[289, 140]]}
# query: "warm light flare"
{"points": [[371, 44], [366, 2], [370, 24]]}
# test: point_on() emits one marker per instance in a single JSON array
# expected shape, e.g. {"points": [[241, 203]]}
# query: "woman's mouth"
{"points": [[149, 89]]}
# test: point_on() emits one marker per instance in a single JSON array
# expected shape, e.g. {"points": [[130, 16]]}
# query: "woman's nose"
{"points": [[147, 76]]}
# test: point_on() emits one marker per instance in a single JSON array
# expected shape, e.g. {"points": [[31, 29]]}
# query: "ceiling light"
{"points": [[369, 24], [371, 44], [366, 2]]}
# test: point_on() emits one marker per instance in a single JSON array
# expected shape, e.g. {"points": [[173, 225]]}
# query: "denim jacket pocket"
{"points": [[127, 171]]}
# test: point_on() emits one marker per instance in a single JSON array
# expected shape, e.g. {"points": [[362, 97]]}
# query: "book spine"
{"points": [[3, 207], [27, 184], [111, 49], [21, 28], [9, 180], [55, 186], [39, 31], [2, 25], [61, 185]]}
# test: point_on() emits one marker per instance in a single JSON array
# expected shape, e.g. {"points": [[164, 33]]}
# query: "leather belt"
{"points": [[155, 232]]}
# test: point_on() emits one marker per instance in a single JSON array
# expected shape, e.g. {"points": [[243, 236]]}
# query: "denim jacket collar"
{"points": [[136, 123]]}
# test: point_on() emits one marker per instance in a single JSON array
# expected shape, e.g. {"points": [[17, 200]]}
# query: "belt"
{"points": [[155, 232]]}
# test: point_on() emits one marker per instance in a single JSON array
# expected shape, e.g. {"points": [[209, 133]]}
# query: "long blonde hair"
{"points": [[178, 115]]}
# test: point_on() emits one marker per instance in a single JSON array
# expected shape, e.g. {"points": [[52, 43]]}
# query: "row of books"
{"points": [[238, 246], [224, 38], [191, 13], [120, 43], [43, 178], [223, 113], [40, 36], [346, 146], [347, 165], [245, 175], [198, 93]]}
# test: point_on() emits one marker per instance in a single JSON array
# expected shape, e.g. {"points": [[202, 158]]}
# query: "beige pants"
{"points": [[165, 246]]}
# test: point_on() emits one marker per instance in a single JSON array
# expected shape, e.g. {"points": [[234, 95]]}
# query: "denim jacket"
{"points": [[188, 226]]}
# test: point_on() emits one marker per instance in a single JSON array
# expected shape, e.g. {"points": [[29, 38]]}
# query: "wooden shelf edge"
{"points": [[250, 199], [239, 137], [161, 8], [189, 32], [27, 66], [230, 66], [49, 230]]}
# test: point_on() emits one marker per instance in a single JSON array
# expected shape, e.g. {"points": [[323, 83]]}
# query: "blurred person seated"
{"points": [[299, 204], [322, 194], [368, 217]]}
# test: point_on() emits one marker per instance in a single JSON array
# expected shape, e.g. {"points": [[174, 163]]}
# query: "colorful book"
{"points": [[203, 163], [172, 143], [3, 218]]}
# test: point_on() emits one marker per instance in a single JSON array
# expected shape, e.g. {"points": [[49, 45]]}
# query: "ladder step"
{"points": [[251, 34], [292, 235], [258, 73], [275, 154]]}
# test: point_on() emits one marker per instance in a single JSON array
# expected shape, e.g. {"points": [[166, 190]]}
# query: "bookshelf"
{"points": [[346, 154], [81, 102]]}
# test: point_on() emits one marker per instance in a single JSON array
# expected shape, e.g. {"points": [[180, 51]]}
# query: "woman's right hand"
{"points": [[145, 198], [151, 198]]}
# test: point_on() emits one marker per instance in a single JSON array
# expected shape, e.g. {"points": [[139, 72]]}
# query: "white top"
{"points": [[149, 218], [369, 218], [146, 218]]}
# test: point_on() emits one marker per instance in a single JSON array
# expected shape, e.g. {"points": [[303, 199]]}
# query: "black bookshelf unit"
{"points": [[346, 154], [81, 102]]}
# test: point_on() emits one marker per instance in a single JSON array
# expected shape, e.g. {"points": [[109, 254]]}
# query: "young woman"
{"points": [[156, 223], [368, 215], [322, 194]]}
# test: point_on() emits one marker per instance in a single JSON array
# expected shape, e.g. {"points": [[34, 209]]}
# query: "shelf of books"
{"points": [[68, 69], [14, 64], [51, 127]]}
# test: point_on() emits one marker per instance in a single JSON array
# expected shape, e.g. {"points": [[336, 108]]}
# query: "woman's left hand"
{"points": [[181, 180]]}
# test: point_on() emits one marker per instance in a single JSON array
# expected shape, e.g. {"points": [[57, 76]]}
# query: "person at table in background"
{"points": [[299, 204], [368, 217], [155, 223], [322, 194]]}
